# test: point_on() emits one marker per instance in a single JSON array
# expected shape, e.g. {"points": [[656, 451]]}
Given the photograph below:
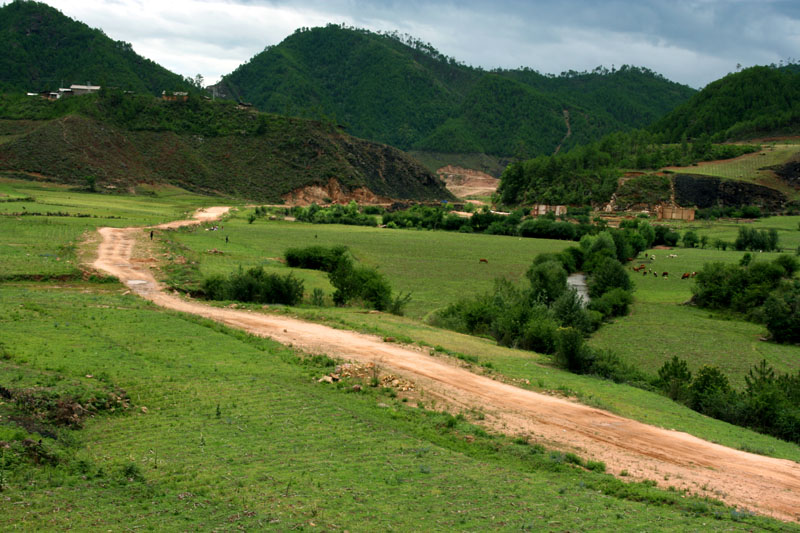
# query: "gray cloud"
{"points": [[689, 41]]}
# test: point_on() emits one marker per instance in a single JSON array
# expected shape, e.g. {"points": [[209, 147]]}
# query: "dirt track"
{"points": [[762, 484]]}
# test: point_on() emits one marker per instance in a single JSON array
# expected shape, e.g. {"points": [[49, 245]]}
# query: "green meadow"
{"points": [[226, 431]]}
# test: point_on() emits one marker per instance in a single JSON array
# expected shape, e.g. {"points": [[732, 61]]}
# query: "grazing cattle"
{"points": [[652, 257], [672, 256], [665, 274], [655, 274], [644, 273], [639, 268], [686, 275], [483, 261], [694, 274]]}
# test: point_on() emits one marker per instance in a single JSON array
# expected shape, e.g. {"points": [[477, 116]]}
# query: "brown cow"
{"points": [[686, 275], [665, 274], [483, 261]]}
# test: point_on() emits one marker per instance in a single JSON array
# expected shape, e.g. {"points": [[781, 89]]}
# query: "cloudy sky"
{"points": [[689, 41]]}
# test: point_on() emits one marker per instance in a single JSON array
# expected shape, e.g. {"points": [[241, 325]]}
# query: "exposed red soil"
{"points": [[670, 458]]}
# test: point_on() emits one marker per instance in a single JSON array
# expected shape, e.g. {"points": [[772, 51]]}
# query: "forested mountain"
{"points": [[403, 92], [118, 140], [756, 101], [42, 50]]}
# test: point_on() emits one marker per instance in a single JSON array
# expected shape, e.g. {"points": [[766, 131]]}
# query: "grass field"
{"points": [[46, 245], [660, 326], [237, 433], [436, 267], [750, 167]]}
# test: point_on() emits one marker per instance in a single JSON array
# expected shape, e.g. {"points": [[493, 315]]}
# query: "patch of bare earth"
{"points": [[464, 182], [332, 192], [670, 458]]}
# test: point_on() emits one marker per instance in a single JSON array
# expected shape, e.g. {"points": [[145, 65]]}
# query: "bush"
{"points": [[609, 274], [360, 283], [539, 333], [690, 239], [254, 285], [782, 314], [571, 352], [548, 281], [674, 379], [613, 303], [315, 257]]}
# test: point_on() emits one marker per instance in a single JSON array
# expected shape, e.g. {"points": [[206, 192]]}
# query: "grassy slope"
{"points": [[443, 268], [284, 451], [660, 327], [751, 167], [244, 467]]}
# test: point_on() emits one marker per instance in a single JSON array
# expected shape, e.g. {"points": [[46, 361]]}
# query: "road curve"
{"points": [[762, 484]]}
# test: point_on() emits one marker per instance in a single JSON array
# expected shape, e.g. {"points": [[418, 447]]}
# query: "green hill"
{"points": [[204, 146], [44, 50], [403, 92], [756, 101]]}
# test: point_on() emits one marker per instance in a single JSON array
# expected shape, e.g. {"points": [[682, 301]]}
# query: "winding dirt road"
{"points": [[670, 458]]}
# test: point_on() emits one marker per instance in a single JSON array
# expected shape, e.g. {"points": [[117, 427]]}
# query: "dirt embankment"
{"points": [[465, 182], [332, 192], [670, 458]]}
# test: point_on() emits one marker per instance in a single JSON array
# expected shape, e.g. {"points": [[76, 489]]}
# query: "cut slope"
{"points": [[210, 147], [765, 484]]}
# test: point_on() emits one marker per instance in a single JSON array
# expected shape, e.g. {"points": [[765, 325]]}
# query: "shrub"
{"points": [[254, 285], [613, 303], [548, 281], [690, 239], [609, 274], [674, 379], [569, 312], [782, 314], [571, 352], [539, 333], [315, 257], [360, 283], [709, 391]]}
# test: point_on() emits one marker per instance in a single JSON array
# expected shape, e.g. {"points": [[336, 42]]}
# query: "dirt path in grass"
{"points": [[670, 458]]}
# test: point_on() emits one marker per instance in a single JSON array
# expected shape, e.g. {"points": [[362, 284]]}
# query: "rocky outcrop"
{"points": [[705, 191]]}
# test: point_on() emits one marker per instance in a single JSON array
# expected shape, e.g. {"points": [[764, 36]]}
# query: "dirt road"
{"points": [[761, 484]]}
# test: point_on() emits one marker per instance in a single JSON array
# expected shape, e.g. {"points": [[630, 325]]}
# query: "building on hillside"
{"points": [[82, 89], [174, 96], [669, 212], [538, 210]]}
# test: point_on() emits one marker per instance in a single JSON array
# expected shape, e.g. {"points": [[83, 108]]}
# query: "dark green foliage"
{"points": [[590, 173], [548, 281], [609, 274], [747, 211], [405, 93], [756, 240], [690, 239], [665, 236], [614, 302], [782, 313], [336, 214], [674, 379], [742, 288], [315, 257], [44, 50], [755, 101], [571, 352], [709, 392], [254, 285], [360, 283]]}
